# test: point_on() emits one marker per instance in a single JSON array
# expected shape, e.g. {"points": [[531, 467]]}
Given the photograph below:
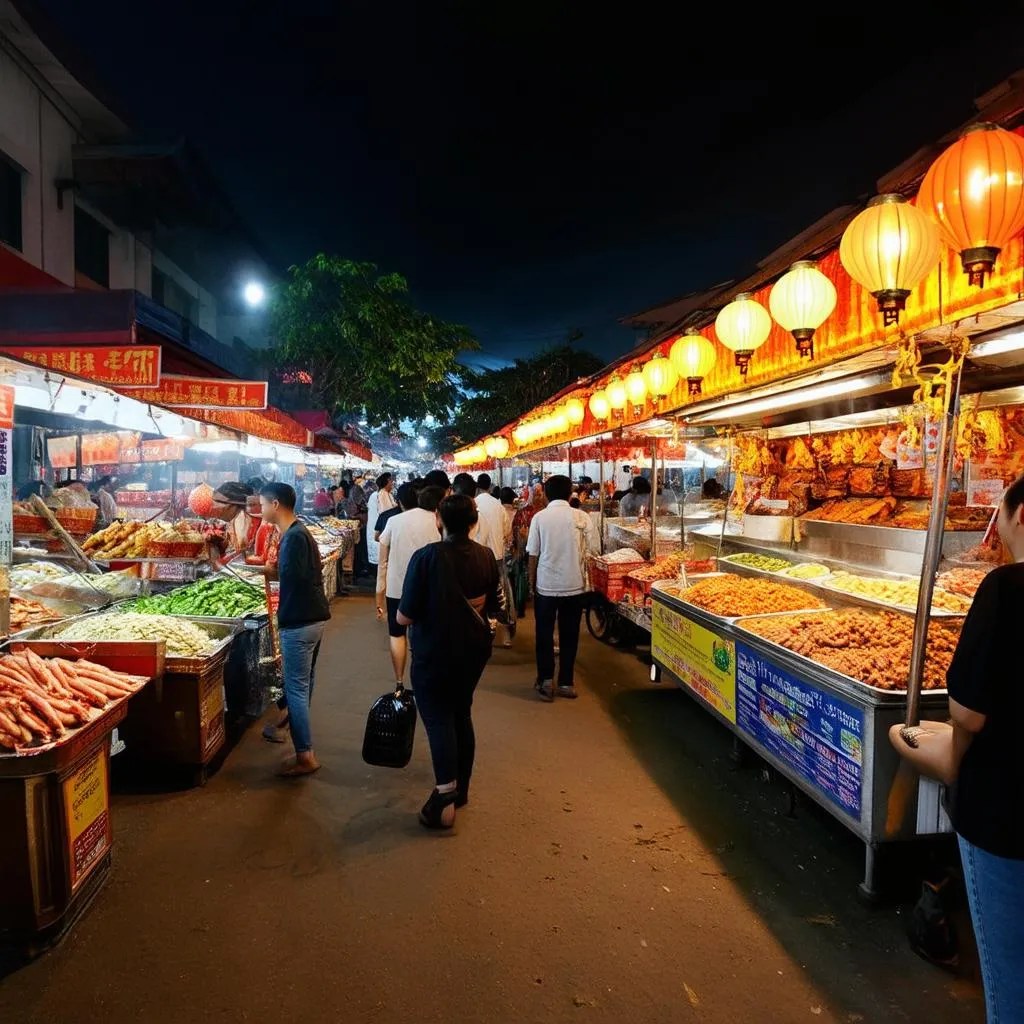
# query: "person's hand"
{"points": [[933, 754], [380, 607]]}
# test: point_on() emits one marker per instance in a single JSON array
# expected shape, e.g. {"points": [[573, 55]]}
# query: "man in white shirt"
{"points": [[559, 540], [481, 533], [379, 501], [402, 537]]}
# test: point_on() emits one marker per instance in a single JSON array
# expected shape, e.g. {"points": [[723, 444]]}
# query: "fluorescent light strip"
{"points": [[789, 399]]}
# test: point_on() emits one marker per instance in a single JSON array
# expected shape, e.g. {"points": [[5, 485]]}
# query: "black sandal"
{"points": [[432, 814]]}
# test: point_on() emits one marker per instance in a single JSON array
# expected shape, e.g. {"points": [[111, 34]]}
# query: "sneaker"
{"points": [[569, 692], [545, 689]]}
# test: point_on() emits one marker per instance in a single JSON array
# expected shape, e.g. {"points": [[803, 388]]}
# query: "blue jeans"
{"points": [[995, 888], [299, 647]]}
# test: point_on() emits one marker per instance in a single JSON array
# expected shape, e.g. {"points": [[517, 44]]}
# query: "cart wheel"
{"points": [[601, 618]]}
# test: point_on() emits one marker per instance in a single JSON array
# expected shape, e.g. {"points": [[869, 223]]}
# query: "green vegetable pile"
{"points": [[766, 563], [220, 597]]}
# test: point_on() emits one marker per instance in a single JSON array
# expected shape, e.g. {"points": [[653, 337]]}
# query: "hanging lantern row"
{"points": [[973, 194]]}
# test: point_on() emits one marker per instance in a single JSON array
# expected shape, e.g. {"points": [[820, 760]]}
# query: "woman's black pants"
{"points": [[444, 698]]}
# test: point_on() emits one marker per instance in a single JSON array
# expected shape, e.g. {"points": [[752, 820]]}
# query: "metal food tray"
{"points": [[874, 602], [223, 631], [749, 570], [892, 538], [808, 665], [728, 619]]}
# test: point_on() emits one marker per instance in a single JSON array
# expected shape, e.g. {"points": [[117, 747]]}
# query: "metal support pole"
{"points": [[932, 546], [568, 459], [728, 500], [654, 499], [600, 489]]}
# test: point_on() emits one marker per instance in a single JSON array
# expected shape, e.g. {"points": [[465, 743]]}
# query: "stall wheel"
{"points": [[601, 620]]}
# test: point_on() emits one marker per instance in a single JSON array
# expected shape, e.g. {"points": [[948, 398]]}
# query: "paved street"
{"points": [[613, 866]]}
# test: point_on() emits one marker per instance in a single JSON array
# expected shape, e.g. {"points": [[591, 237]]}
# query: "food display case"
{"points": [[882, 534]]}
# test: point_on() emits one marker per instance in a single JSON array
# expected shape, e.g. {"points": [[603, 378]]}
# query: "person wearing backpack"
{"points": [[452, 588]]}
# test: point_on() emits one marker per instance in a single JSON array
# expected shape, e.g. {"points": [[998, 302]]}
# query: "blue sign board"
{"points": [[816, 735]]}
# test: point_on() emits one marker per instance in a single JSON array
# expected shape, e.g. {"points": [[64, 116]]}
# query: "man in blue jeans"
{"points": [[301, 614]]}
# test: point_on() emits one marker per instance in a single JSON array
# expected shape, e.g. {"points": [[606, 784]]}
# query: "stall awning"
{"points": [[319, 422], [17, 273]]}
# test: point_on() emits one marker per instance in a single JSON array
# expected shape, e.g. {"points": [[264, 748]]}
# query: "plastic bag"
{"points": [[390, 729]]}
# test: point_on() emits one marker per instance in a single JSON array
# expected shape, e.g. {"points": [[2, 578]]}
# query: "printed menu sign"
{"points": [[703, 661], [87, 816], [816, 735]]}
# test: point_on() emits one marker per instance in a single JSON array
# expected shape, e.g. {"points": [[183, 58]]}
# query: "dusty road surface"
{"points": [[612, 866]]}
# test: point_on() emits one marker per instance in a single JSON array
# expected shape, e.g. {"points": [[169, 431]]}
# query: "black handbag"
{"points": [[390, 729]]}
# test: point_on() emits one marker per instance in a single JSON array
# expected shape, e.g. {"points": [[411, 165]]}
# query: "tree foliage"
{"points": [[365, 346], [496, 397]]}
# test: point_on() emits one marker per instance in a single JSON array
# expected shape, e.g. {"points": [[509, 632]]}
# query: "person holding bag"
{"points": [[976, 754], [452, 588]]}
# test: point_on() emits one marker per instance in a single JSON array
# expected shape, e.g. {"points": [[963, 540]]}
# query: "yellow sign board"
{"points": [[705, 662], [87, 816]]}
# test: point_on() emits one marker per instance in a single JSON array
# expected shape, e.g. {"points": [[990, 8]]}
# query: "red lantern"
{"points": [[975, 192]]}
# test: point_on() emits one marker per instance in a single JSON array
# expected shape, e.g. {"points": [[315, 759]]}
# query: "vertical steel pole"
{"points": [[654, 499], [600, 488], [932, 546]]}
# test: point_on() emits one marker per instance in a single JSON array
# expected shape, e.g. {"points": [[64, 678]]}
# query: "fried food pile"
{"points": [[862, 511], [962, 581], [897, 592], [731, 596], [872, 647]]}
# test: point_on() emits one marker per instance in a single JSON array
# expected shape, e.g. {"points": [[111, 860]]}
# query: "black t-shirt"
{"points": [[440, 579], [382, 519], [302, 579], [985, 675]]}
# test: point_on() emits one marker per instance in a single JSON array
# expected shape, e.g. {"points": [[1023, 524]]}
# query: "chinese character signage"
{"points": [[86, 817], [176, 391], [816, 735], [127, 366], [6, 428]]}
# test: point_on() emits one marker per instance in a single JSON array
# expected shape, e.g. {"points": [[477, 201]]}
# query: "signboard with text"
{"points": [[704, 661], [87, 817], [62, 452], [815, 734], [127, 366], [177, 391]]}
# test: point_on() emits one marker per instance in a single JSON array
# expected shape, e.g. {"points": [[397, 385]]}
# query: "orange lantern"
{"points": [[692, 355], [743, 326], [889, 248], [975, 192], [616, 392], [599, 406], [801, 301], [574, 411], [636, 388], [660, 377]]}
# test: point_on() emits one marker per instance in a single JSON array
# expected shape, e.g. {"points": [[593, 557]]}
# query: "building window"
{"points": [[10, 204], [92, 249], [172, 296]]}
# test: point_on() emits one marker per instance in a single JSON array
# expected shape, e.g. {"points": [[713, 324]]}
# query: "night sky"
{"points": [[537, 167]]}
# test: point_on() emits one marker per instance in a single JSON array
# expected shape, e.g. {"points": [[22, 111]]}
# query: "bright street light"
{"points": [[421, 442], [254, 294]]}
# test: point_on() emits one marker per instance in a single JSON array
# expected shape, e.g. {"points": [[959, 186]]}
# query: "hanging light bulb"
{"points": [[616, 392], [975, 192], [889, 248], [489, 447], [660, 377], [599, 406], [499, 448], [743, 326], [574, 411], [692, 355], [636, 389], [801, 301]]}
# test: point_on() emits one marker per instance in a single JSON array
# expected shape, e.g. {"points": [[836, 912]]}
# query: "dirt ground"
{"points": [[613, 865]]}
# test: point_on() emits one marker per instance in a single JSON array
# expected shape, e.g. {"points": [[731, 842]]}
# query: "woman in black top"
{"points": [[451, 589], [978, 754]]}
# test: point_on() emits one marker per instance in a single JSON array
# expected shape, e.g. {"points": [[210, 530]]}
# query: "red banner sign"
{"points": [[270, 425], [6, 407], [177, 391], [110, 449], [162, 450], [127, 366]]}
